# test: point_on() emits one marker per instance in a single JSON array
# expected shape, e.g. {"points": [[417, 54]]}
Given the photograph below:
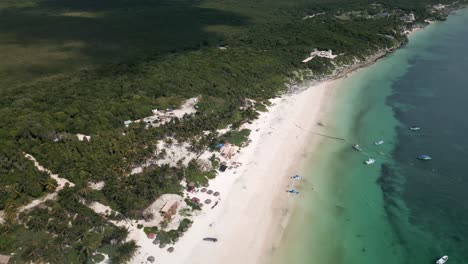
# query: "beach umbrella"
{"points": [[207, 201], [170, 250], [162, 245], [203, 190], [216, 193], [151, 259], [191, 186], [209, 192], [156, 241]]}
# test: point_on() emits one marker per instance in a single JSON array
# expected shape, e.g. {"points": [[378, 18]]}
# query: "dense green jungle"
{"points": [[69, 67]]}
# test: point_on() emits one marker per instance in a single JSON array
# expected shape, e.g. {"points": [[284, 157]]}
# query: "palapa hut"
{"points": [[204, 165]]}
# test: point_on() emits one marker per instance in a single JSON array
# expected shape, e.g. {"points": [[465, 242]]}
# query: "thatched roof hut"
{"points": [[204, 165]]}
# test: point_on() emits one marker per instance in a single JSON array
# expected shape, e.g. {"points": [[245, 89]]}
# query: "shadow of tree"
{"points": [[109, 31]]}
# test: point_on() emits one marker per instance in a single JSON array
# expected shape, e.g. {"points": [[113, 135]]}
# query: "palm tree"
{"points": [[56, 226], [36, 224], [52, 253], [90, 243], [84, 192], [125, 252], [50, 184]]}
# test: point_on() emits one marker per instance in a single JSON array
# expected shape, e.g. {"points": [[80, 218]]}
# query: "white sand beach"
{"points": [[254, 206]]}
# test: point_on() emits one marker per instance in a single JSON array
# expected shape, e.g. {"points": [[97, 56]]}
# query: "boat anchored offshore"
{"points": [[424, 157], [293, 191], [442, 260], [414, 128], [356, 147], [369, 161], [379, 142]]}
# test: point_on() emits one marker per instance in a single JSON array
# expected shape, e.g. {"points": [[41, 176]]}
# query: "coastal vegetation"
{"points": [[70, 67]]}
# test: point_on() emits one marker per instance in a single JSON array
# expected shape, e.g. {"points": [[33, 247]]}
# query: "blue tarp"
{"points": [[219, 145]]}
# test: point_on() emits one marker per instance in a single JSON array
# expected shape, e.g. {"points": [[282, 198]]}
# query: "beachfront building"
{"points": [[169, 210]]}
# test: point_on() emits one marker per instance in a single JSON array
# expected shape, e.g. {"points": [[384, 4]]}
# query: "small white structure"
{"points": [[82, 137], [439, 7], [160, 117], [128, 122], [96, 185], [409, 18], [319, 53], [312, 16], [309, 16]]}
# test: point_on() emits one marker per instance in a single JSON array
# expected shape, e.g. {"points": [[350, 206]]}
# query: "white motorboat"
{"points": [[379, 142], [369, 161], [356, 147], [442, 260], [414, 128], [424, 157]]}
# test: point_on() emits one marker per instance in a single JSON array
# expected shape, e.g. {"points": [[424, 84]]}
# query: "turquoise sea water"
{"points": [[400, 209]]}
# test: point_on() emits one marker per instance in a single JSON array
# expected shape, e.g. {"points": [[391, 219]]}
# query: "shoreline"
{"points": [[254, 204], [257, 188]]}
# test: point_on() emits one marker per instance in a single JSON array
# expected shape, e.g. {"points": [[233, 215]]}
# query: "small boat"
{"points": [[296, 177], [293, 191], [442, 260], [212, 239], [424, 157], [356, 147], [414, 128], [380, 142], [369, 161]]}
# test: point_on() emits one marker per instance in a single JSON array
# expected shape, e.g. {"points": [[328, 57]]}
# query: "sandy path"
{"points": [[61, 182]]}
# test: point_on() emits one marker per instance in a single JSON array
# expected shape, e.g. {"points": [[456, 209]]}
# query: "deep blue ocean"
{"points": [[433, 94], [400, 210]]}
